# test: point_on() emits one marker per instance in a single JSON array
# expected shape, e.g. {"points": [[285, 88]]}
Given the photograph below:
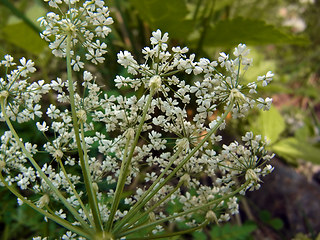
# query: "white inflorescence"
{"points": [[85, 25], [168, 127]]}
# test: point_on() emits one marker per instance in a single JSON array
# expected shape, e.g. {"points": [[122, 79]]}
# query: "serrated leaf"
{"points": [[249, 31], [292, 149], [21, 35], [167, 15], [269, 124]]}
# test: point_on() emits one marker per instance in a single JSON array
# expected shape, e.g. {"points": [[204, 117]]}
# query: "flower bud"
{"points": [[4, 94], [236, 94], [185, 179], [82, 115], [183, 143], [58, 154], [95, 187], [2, 165], [152, 217], [212, 217], [130, 133], [155, 83], [252, 176], [43, 201]]}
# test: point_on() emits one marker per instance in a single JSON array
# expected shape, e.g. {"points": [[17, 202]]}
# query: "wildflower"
{"points": [[27, 67], [8, 61], [266, 79], [42, 127], [83, 24], [21, 97]]}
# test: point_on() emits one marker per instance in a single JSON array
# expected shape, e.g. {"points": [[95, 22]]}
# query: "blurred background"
{"points": [[283, 36]]}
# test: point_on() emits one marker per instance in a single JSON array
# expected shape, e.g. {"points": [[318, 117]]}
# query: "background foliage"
{"points": [[284, 32]]}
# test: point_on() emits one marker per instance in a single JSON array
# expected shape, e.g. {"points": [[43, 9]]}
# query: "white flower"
{"points": [[223, 57], [264, 104], [266, 79], [8, 61], [241, 50], [83, 23], [69, 236], [87, 76], [42, 127], [157, 39], [126, 59], [27, 67], [77, 64], [53, 112]]}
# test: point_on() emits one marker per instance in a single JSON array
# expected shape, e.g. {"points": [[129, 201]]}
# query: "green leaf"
{"points": [[221, 4], [167, 15], [292, 149], [265, 216], [303, 133], [276, 223], [21, 35], [232, 232], [269, 124], [249, 31], [32, 12], [199, 235]]}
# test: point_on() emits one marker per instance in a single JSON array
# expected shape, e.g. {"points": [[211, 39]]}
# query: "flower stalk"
{"points": [[154, 189], [39, 170], [192, 210], [83, 159], [53, 217], [125, 166]]}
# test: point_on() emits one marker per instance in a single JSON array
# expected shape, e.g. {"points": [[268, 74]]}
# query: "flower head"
{"points": [[20, 96], [83, 24]]}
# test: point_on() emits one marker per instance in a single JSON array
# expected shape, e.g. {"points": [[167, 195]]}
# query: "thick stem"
{"points": [[84, 166]]}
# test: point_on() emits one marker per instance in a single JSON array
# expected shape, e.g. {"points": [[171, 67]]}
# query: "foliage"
{"points": [[203, 25]]}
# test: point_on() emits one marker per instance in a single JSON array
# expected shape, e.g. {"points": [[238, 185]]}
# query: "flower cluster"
{"points": [[210, 92], [85, 25], [22, 98], [162, 146]]}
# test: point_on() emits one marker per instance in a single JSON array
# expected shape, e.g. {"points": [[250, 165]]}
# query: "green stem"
{"points": [[122, 177], [126, 163], [205, 27], [75, 192], [84, 165], [157, 204], [53, 217], [195, 209], [154, 189], [142, 200], [41, 173], [197, 10], [169, 235]]}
